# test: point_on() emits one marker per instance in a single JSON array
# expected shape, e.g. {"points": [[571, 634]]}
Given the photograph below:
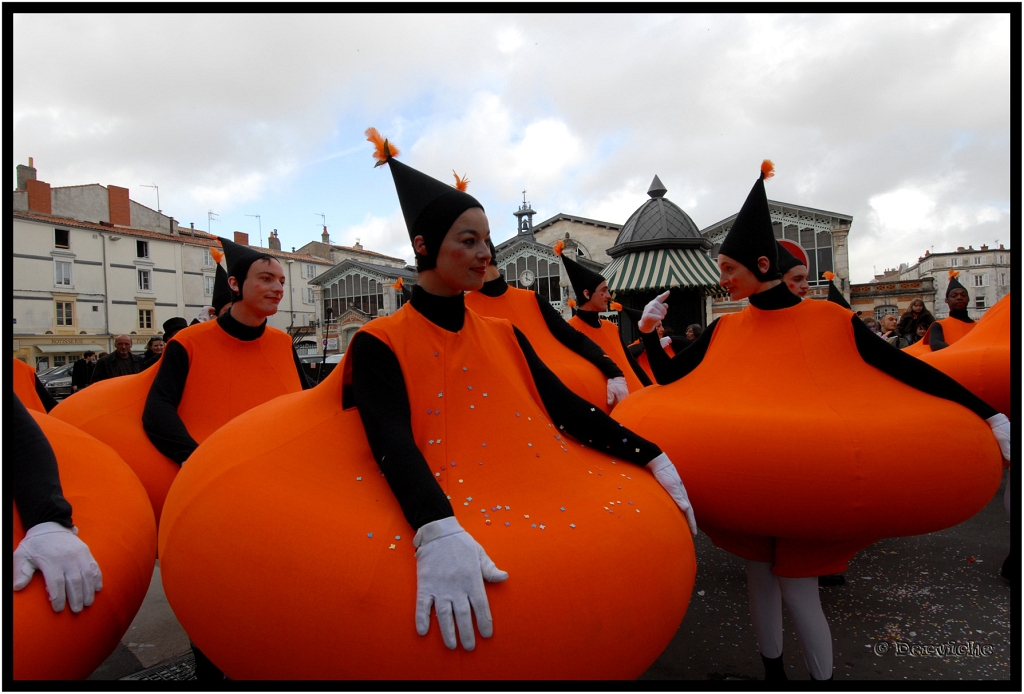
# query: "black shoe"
{"points": [[831, 580], [1005, 571], [774, 670]]}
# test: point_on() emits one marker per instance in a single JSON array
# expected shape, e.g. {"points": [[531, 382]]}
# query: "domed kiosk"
{"points": [[661, 248]]}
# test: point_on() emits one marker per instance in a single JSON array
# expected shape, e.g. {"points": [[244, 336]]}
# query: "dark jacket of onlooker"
{"points": [[112, 366], [907, 327], [81, 374]]}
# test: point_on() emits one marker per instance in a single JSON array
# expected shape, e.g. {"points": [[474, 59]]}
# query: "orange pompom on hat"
{"points": [[581, 278], [114, 518], [287, 499]]}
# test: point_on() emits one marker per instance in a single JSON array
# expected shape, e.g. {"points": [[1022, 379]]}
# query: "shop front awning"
{"points": [[69, 349], [662, 269]]}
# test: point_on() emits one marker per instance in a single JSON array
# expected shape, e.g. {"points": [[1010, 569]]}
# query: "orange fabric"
{"points": [[25, 386], [115, 520], [520, 307], [285, 555], [952, 330], [980, 360], [811, 472], [607, 338], [111, 411], [645, 363], [228, 376]]}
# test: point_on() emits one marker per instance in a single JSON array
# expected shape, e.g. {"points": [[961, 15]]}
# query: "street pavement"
{"points": [[900, 595]]}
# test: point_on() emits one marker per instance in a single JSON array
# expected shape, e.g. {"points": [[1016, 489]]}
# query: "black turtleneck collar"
{"points": [[775, 298], [961, 315], [591, 318], [495, 287], [238, 330], [448, 312]]}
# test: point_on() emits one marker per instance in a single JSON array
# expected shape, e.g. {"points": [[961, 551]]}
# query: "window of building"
{"points": [[355, 292], [979, 303], [543, 273], [144, 280], [42, 364], [62, 273], [141, 249], [980, 280], [207, 257], [956, 262], [1002, 259], [208, 281], [309, 297], [59, 360], [61, 238], [1002, 279], [308, 271], [977, 260], [65, 312], [145, 318], [885, 310]]}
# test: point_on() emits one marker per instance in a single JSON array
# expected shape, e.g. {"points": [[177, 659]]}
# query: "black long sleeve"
{"points": [[580, 419], [160, 417], [936, 337], [914, 372], [638, 370], [577, 341], [670, 369], [306, 385], [378, 391], [48, 402], [35, 479]]}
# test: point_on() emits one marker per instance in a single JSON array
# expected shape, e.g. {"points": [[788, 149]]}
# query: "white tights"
{"points": [[767, 592]]}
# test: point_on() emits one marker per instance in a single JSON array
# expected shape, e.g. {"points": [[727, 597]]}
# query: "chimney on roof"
{"points": [[26, 174], [241, 238], [984, 247], [324, 236], [1001, 247], [120, 210], [192, 226], [273, 241], [39, 196], [960, 249], [927, 253]]}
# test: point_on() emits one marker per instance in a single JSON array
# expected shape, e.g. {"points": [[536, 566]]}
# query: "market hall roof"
{"points": [[383, 271], [657, 224]]}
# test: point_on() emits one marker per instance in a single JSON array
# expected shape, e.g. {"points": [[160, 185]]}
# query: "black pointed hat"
{"points": [[751, 235], [580, 277], [494, 253], [221, 290], [239, 258], [787, 259], [834, 295], [429, 206], [954, 283]]}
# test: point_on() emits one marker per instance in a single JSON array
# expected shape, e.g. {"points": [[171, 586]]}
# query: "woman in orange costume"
{"points": [[793, 266], [115, 519], [579, 363], [797, 513], [31, 391], [637, 351], [449, 404], [111, 410], [943, 333], [593, 297]]}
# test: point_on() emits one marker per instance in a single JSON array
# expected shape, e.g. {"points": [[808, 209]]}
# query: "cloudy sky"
{"points": [[902, 121]]}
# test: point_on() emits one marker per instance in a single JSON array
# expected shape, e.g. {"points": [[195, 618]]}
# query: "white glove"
{"points": [[65, 561], [451, 568], [206, 313], [654, 311], [665, 341], [668, 477], [1001, 430], [617, 390]]}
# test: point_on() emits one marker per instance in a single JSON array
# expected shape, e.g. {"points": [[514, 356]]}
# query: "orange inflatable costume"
{"points": [[600, 560], [953, 330], [25, 386], [116, 521], [520, 307], [980, 360], [607, 338], [810, 508]]}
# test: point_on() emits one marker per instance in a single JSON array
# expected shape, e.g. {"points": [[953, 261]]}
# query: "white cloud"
{"points": [[510, 40], [381, 234]]}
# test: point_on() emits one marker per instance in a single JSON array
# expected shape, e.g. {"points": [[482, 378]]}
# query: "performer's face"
{"points": [[957, 300], [796, 279], [736, 278], [263, 288], [599, 301], [464, 255]]}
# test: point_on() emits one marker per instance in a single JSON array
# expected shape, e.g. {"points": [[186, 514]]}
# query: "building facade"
{"points": [[985, 271]]}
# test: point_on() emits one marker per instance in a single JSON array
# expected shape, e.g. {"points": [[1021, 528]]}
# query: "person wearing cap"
{"points": [[943, 333], [793, 266], [30, 389], [172, 326], [819, 338], [238, 353], [449, 232], [50, 543], [592, 297], [577, 361]]}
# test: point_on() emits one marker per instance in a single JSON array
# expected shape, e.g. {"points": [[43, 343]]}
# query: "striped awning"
{"points": [[662, 269]]}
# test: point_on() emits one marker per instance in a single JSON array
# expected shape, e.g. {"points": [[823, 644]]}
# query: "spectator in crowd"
{"points": [[120, 363], [887, 326], [919, 331], [913, 317], [81, 372], [154, 348], [871, 323]]}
